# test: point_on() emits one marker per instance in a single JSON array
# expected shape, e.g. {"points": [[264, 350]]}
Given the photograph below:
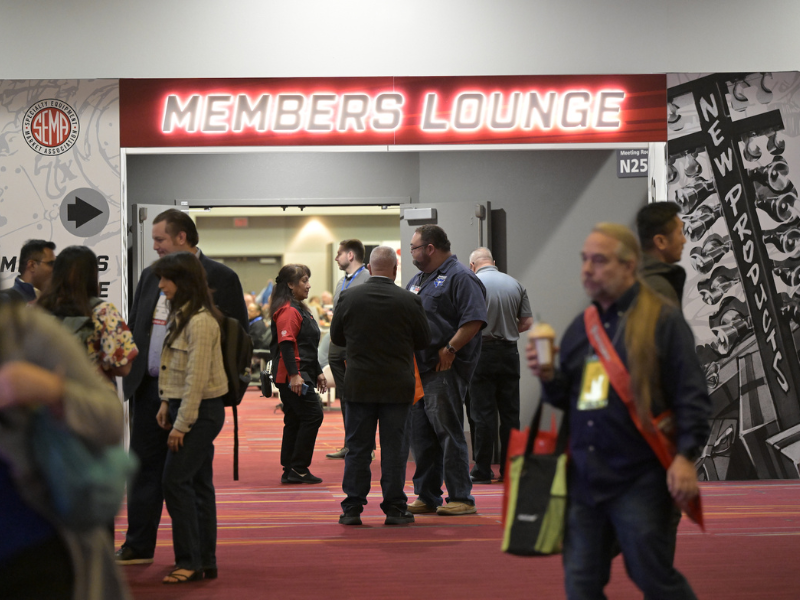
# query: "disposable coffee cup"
{"points": [[543, 336]]}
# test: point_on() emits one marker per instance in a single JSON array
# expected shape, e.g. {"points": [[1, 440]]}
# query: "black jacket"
{"points": [[666, 279], [228, 296], [381, 325]]}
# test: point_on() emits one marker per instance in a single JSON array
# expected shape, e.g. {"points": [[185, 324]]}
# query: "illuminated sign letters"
{"points": [[218, 113], [392, 110]]}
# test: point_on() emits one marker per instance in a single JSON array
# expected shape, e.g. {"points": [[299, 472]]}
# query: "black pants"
{"points": [[364, 420], [494, 389], [336, 358], [149, 444], [302, 418]]}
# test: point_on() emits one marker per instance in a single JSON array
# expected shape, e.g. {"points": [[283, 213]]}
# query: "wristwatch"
{"points": [[449, 348]]}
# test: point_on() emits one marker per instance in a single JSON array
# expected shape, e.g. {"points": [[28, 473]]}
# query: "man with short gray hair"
{"points": [[381, 325], [495, 385]]}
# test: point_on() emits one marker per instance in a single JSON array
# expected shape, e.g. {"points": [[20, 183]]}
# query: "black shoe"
{"points": [[307, 477], [350, 518], [126, 556], [481, 479], [398, 517], [285, 477], [210, 572], [341, 453]]}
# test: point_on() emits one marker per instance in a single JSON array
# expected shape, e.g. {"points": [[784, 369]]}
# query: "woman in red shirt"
{"points": [[296, 333]]}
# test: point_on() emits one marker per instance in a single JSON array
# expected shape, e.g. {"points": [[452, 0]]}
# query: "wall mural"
{"points": [[60, 172], [733, 153]]}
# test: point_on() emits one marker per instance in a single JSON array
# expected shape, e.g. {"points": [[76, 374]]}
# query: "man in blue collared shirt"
{"points": [[618, 489], [454, 300]]}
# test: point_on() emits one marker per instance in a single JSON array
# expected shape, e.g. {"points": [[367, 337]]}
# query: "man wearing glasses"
{"points": [[454, 300], [35, 270]]}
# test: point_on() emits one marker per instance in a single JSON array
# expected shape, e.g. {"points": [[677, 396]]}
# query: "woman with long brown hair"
{"points": [[72, 296], [297, 371], [192, 382]]}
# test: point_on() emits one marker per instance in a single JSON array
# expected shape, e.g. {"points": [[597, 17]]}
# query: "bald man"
{"points": [[381, 325], [494, 388]]}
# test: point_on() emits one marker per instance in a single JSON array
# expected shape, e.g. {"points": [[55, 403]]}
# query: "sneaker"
{"points": [[418, 507], [285, 477], [339, 454], [481, 479], [126, 556], [350, 517], [307, 477], [397, 516], [457, 508]]}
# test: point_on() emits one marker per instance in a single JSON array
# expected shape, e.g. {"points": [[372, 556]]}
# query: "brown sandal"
{"points": [[182, 577]]}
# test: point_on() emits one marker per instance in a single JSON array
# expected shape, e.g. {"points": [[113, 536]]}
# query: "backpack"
{"points": [[237, 352], [81, 327]]}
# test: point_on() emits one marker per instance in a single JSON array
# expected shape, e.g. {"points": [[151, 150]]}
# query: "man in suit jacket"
{"points": [[173, 231], [381, 325]]}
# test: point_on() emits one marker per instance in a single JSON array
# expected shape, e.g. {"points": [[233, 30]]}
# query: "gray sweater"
{"points": [[92, 411]]}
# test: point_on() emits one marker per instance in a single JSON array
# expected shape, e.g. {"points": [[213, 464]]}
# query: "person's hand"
{"points": [[543, 372], [23, 383], [296, 384], [446, 359], [175, 440], [682, 480], [322, 383], [163, 416]]}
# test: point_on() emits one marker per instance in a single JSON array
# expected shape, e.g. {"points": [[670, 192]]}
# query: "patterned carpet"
{"points": [[283, 541]]}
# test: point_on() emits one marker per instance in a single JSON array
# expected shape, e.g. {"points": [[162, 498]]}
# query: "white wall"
{"points": [[303, 240], [313, 38]]}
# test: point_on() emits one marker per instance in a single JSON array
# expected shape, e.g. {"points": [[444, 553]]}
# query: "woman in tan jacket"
{"points": [[192, 382]]}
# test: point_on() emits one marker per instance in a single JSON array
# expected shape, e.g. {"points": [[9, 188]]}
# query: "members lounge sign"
{"points": [[392, 111]]}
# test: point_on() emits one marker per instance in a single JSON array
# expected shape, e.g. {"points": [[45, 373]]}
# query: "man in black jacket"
{"points": [[661, 237], [381, 325], [173, 231]]}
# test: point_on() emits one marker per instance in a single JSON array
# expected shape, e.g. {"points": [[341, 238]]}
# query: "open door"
{"points": [[142, 253], [467, 225]]}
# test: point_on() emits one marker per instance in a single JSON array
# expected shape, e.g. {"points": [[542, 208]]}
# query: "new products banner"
{"points": [[733, 157]]}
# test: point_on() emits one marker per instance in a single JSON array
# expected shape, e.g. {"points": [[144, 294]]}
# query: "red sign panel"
{"points": [[392, 111]]}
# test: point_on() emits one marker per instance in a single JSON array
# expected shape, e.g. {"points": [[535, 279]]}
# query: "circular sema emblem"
{"points": [[50, 127]]}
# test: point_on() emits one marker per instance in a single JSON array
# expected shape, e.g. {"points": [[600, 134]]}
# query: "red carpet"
{"points": [[283, 541]]}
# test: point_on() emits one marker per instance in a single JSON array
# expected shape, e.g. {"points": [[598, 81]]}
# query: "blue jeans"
{"points": [[302, 418], [494, 389], [149, 444], [189, 488], [437, 438], [640, 519], [363, 418]]}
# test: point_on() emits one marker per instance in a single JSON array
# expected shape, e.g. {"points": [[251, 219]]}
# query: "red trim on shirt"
{"points": [[288, 321]]}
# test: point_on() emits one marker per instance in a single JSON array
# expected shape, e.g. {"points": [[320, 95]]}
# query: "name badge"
{"points": [[594, 386], [414, 289]]}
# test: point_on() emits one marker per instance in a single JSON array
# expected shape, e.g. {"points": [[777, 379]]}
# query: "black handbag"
{"points": [[536, 497]]}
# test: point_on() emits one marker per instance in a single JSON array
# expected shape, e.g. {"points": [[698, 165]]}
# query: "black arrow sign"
{"points": [[81, 212]]}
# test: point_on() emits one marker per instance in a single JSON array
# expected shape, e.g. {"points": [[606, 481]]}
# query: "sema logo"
{"points": [[50, 127]]}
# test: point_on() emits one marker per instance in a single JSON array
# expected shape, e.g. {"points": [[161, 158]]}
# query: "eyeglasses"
{"points": [[418, 247]]}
